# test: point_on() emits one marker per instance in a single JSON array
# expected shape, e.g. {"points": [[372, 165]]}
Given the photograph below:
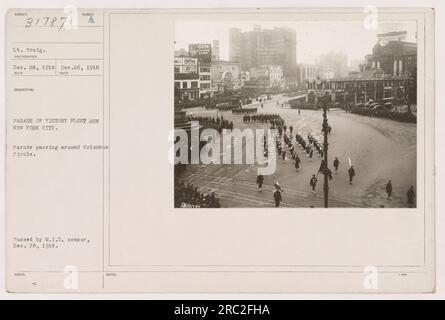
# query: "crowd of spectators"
{"points": [[188, 196]]}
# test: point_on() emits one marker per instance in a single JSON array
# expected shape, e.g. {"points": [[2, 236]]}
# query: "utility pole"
{"points": [[325, 153]]}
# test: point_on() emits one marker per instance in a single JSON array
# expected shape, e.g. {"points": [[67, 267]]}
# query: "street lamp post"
{"points": [[324, 168], [325, 154]]}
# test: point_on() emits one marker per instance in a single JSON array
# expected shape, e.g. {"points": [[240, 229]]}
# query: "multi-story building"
{"points": [[265, 76], [185, 64], [373, 85], [277, 46], [226, 76], [235, 40], [306, 72], [393, 55], [215, 50], [186, 78], [203, 53], [389, 72], [205, 80]]}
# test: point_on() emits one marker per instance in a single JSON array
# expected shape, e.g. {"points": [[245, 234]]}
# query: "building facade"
{"points": [[186, 86], [226, 76], [203, 53], [185, 64], [235, 40], [390, 72], [265, 76], [307, 72], [277, 46], [205, 81], [361, 90], [302, 74], [215, 50], [186, 79], [396, 58]]}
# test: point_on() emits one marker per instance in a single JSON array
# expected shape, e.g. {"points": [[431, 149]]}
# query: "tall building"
{"points": [[277, 46], [215, 50], [235, 39], [203, 53], [393, 55]]}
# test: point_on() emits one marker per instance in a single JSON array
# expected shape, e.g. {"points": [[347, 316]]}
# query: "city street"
{"points": [[379, 149]]}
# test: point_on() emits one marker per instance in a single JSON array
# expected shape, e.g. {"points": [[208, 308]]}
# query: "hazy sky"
{"points": [[313, 38]]}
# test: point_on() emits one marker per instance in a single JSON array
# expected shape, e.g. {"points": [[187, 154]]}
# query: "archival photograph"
{"points": [[295, 114]]}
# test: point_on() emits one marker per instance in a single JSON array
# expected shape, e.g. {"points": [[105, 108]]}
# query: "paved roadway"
{"points": [[380, 149]]}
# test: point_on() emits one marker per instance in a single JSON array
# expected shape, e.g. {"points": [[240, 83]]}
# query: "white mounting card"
{"points": [[220, 150]]}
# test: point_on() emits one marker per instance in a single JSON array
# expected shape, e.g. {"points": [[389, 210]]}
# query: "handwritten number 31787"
{"points": [[55, 22]]}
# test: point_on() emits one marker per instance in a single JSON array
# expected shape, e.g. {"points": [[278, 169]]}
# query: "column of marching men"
{"points": [[186, 194], [218, 123], [286, 146], [287, 142]]}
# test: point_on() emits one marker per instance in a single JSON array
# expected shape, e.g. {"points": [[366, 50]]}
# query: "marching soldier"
{"points": [[297, 162], [351, 172], [313, 183], [336, 164], [277, 197], [259, 181], [277, 193]]}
